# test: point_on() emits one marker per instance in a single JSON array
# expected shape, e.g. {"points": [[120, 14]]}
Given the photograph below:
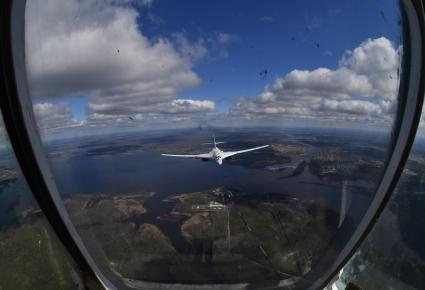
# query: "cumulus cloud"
{"points": [[188, 106], [96, 49], [58, 118], [363, 87], [379, 60], [52, 117], [178, 106]]}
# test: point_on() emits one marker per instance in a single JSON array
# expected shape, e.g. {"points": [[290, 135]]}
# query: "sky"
{"points": [[106, 65]]}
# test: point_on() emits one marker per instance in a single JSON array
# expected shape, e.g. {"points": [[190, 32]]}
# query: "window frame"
{"points": [[19, 121], [22, 129]]}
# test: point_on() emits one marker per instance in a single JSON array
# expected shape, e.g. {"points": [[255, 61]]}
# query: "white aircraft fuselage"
{"points": [[217, 155]]}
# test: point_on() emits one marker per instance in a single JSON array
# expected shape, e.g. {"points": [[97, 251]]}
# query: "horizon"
{"points": [[211, 131]]}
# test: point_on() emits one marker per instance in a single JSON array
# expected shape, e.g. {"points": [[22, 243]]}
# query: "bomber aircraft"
{"points": [[216, 153]]}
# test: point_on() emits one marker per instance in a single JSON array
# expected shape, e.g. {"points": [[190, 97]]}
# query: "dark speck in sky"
{"points": [[263, 73], [383, 16]]}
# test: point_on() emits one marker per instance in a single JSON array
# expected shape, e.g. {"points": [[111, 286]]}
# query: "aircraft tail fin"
{"points": [[215, 143]]}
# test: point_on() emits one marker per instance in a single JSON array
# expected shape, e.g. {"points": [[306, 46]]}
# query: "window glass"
{"points": [[392, 256], [231, 142], [31, 257]]}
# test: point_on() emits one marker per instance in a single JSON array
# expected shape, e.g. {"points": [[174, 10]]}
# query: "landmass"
{"points": [[31, 257], [231, 237], [222, 234], [336, 164]]}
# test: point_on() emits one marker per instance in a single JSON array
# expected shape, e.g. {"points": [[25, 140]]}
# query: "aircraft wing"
{"points": [[200, 156], [231, 153]]}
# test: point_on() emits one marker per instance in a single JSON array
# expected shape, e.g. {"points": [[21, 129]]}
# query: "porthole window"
{"points": [[229, 144]]}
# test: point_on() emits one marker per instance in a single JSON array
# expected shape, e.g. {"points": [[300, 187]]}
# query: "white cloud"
{"points": [[340, 83], [355, 107], [378, 60], [58, 119], [190, 106], [171, 113], [98, 50], [363, 87], [52, 117], [95, 49], [178, 106]]}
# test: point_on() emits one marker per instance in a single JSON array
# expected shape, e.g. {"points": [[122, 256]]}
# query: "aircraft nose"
{"points": [[220, 161]]}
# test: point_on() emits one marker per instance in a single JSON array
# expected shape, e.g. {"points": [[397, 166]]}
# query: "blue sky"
{"points": [[268, 44], [277, 36]]}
